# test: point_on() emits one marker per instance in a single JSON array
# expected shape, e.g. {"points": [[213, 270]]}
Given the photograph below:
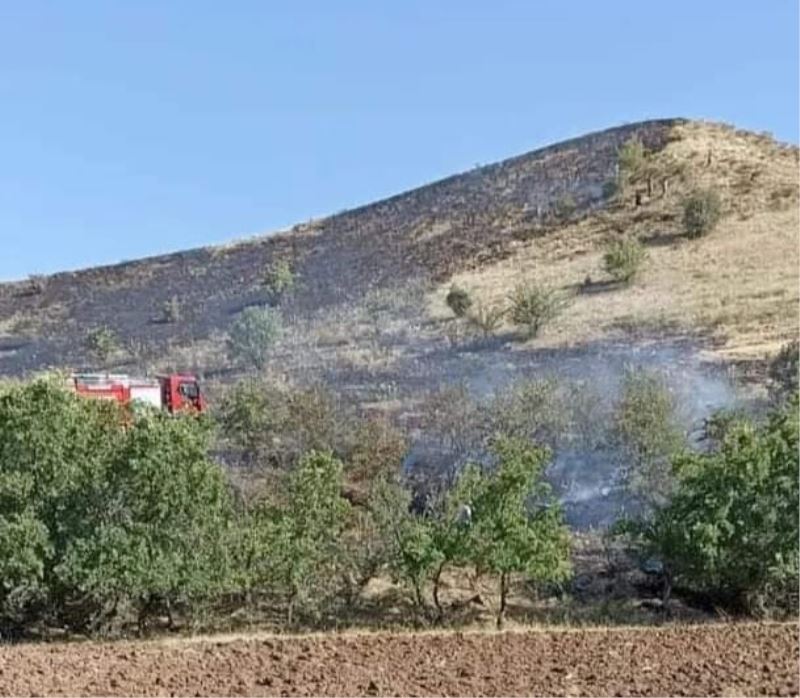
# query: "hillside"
{"points": [[368, 312]]}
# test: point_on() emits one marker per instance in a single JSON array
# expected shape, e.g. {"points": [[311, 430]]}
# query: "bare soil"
{"points": [[714, 659]]}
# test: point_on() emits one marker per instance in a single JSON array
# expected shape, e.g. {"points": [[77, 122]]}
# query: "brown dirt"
{"points": [[719, 659]]}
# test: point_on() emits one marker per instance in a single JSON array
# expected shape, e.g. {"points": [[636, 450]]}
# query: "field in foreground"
{"points": [[719, 659]]}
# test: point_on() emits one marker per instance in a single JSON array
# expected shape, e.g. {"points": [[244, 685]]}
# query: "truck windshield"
{"points": [[189, 390]]}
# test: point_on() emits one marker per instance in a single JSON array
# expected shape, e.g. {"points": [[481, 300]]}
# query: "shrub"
{"points": [[631, 156], [533, 306], [279, 277], [783, 373], [624, 258], [515, 524], [647, 430], [101, 343], [701, 213], [94, 517], [565, 206], [171, 310], [532, 410], [458, 300], [253, 334], [731, 528], [486, 319]]}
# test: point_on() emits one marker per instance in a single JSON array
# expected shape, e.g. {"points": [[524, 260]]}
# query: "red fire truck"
{"points": [[174, 392]]}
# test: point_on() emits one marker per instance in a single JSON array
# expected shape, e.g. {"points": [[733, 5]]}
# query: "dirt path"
{"points": [[745, 659]]}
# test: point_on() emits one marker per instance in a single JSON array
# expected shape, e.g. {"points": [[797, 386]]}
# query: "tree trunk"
{"points": [[501, 613], [436, 580]]}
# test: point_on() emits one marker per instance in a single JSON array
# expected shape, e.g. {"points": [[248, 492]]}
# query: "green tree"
{"points": [[647, 430], [731, 527], [101, 343], [783, 373], [533, 306], [631, 157], [279, 278], [253, 334], [701, 212], [515, 523], [623, 259]]}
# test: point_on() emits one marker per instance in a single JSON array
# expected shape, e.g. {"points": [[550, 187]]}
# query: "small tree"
{"points": [[171, 310], [631, 156], [624, 258], [565, 206], [253, 334], [533, 306], [458, 300], [101, 342], [701, 213], [515, 524], [486, 319], [279, 277], [646, 429], [731, 528]]}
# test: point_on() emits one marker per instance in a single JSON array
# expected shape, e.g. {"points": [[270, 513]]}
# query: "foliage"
{"points": [[101, 343], [279, 277], [631, 156], [458, 300], [783, 373], [306, 532], [624, 258], [701, 212], [533, 306], [516, 525], [646, 428], [531, 410], [486, 318], [253, 334], [731, 527], [565, 206], [171, 310], [93, 515], [376, 450]]}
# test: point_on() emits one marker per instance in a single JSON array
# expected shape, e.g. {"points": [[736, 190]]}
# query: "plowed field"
{"points": [[723, 659]]}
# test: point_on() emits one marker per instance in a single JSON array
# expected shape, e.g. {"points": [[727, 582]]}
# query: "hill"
{"points": [[368, 310]]}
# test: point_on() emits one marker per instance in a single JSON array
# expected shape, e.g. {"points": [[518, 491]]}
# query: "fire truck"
{"points": [[174, 393]]}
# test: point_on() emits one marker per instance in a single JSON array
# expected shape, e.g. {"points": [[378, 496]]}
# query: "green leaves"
{"points": [[253, 334]]}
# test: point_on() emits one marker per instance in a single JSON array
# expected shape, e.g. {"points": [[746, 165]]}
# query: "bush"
{"points": [[783, 375], [701, 213], [101, 343], [253, 334], [95, 518], [647, 430], [731, 528], [458, 300], [610, 189], [631, 156], [486, 319], [279, 278], [624, 258], [533, 306], [171, 310], [565, 206]]}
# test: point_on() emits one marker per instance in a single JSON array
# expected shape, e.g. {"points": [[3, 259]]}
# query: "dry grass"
{"points": [[739, 284]]}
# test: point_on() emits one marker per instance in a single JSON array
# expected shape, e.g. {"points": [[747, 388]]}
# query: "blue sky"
{"points": [[134, 128]]}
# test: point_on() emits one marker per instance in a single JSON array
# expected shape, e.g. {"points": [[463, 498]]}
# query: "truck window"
{"points": [[189, 390]]}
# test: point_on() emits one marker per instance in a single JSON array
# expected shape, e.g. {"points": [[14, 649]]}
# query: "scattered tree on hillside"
{"points": [[458, 300], [533, 306], [624, 258], [253, 334], [701, 212], [101, 343]]}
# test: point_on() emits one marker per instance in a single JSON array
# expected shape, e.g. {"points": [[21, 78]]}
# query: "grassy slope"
{"points": [[739, 284]]}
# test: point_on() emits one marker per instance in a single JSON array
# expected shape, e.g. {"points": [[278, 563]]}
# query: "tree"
{"points": [[701, 212], [533, 306], [647, 430], [731, 527], [458, 300], [101, 343], [631, 156], [515, 524], [624, 258], [783, 373], [253, 334], [279, 278], [486, 319], [306, 532]]}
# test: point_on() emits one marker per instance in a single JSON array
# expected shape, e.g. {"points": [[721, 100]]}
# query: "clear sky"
{"points": [[134, 128]]}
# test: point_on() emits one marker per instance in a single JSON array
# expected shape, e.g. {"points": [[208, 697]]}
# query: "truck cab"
{"points": [[181, 391]]}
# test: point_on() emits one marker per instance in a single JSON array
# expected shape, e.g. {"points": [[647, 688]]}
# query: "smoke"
{"points": [[586, 468]]}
